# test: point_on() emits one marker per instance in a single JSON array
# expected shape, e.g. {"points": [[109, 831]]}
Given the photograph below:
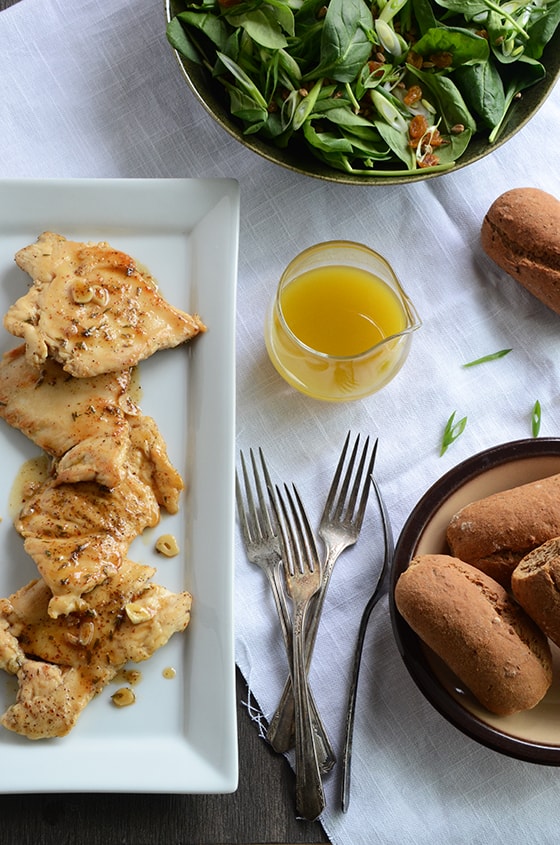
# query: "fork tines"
{"points": [[296, 531], [345, 510], [255, 520]]}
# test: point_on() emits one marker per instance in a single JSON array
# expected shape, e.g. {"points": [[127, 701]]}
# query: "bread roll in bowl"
{"points": [[476, 627], [521, 233], [535, 583], [496, 532]]}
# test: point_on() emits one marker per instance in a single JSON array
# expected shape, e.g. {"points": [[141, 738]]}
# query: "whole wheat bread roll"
{"points": [[494, 533], [521, 233], [480, 632], [535, 583]]}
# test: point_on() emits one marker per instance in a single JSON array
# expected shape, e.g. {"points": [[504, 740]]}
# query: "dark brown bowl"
{"points": [[211, 95], [534, 735]]}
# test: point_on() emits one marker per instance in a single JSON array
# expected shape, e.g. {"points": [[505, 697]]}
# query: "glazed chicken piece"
{"points": [[78, 534], [149, 460], [92, 309], [63, 663], [90, 426], [49, 700], [82, 423], [11, 655]]}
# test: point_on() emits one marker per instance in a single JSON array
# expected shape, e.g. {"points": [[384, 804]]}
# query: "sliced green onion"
{"points": [[536, 419], [486, 358], [388, 111], [388, 38], [452, 431]]}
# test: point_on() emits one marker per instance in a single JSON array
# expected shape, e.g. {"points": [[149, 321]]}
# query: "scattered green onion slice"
{"points": [[452, 431], [486, 358], [536, 419]]}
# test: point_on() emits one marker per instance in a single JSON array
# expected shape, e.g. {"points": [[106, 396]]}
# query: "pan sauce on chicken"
{"points": [[88, 318]]}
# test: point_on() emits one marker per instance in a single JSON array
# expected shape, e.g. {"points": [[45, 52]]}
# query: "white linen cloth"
{"points": [[91, 89]]}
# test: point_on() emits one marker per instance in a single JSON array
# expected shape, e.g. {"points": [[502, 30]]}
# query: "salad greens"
{"points": [[379, 88]]}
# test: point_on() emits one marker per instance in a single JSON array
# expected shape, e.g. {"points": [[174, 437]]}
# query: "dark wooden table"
{"points": [[261, 811]]}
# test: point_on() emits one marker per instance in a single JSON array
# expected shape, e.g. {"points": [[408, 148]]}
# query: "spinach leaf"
{"points": [[398, 142], [345, 44], [212, 27], [327, 142], [483, 90], [463, 45], [266, 26], [178, 37], [525, 73], [448, 100], [424, 14], [542, 30], [244, 106]]}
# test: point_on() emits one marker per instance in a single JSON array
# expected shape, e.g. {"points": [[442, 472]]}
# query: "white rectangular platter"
{"points": [[181, 734]]}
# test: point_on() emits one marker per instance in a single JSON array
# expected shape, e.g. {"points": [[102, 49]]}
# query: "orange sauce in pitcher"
{"points": [[340, 310]]}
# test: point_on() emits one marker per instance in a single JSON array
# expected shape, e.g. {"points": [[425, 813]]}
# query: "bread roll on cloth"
{"points": [[535, 583], [521, 233], [478, 629], [494, 533]]}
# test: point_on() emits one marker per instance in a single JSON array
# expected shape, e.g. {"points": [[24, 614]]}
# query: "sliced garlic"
{"points": [[138, 612], [167, 545], [82, 292]]}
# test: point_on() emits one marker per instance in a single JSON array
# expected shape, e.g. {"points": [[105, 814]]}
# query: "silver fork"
{"points": [[302, 572], [340, 526], [263, 548], [261, 541], [381, 588]]}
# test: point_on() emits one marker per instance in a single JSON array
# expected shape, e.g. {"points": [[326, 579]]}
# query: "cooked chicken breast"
{"points": [[83, 423], [11, 655], [75, 656], [57, 511], [73, 566], [92, 309], [90, 426], [148, 458], [79, 534], [49, 700]]}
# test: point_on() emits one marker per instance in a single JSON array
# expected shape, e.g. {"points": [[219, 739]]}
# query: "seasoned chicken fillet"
{"points": [[90, 426], [82, 423], [78, 534], [61, 664], [49, 700], [149, 460], [92, 309]]}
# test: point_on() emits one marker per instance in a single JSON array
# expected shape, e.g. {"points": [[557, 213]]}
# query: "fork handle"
{"points": [[351, 706], [310, 798], [381, 589], [281, 729], [325, 751]]}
